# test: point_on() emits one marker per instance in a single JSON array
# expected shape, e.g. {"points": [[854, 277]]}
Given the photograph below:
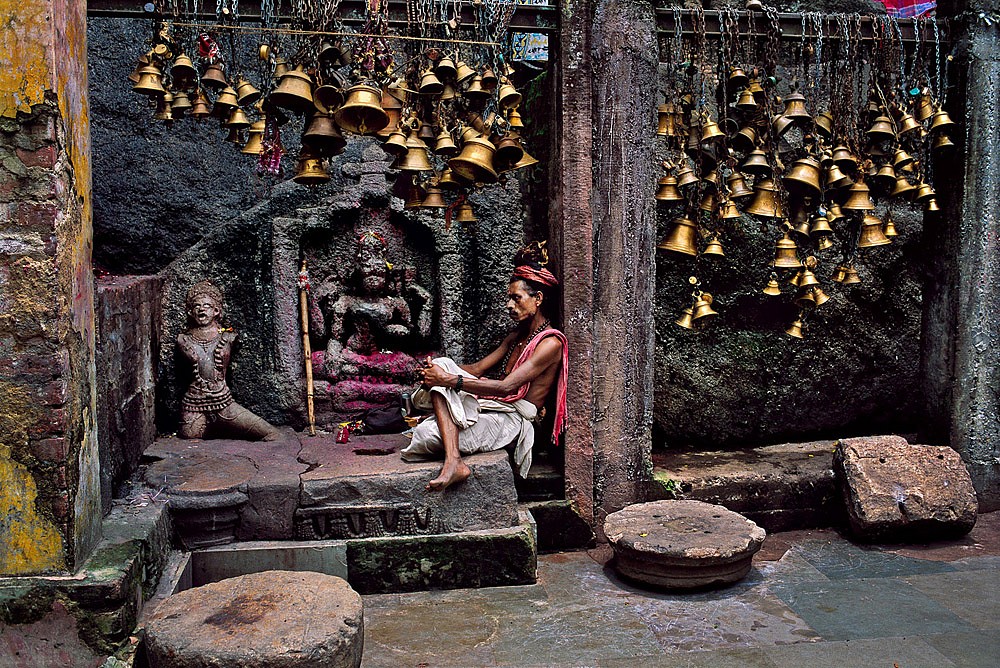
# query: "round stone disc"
{"points": [[682, 544]]}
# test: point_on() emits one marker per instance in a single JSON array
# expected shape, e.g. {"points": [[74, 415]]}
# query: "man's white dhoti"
{"points": [[484, 425]]}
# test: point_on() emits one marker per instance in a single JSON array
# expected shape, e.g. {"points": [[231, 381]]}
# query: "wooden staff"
{"points": [[306, 348]]}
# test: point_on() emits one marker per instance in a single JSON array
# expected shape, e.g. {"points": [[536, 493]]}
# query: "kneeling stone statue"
{"points": [[208, 406]]}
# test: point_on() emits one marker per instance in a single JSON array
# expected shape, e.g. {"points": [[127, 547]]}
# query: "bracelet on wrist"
{"points": [[458, 383]]}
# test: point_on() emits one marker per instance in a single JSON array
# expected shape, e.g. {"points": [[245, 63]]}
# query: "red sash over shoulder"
{"points": [[560, 422]]}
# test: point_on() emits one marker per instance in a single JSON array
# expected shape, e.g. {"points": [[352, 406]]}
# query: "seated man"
{"points": [[473, 413]]}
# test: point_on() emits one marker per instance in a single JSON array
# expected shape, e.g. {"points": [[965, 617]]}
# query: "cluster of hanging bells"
{"points": [[807, 194]]}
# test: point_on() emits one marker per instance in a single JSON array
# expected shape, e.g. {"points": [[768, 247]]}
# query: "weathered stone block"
{"points": [[560, 526], [274, 619], [682, 544], [898, 491], [347, 495], [490, 558]]}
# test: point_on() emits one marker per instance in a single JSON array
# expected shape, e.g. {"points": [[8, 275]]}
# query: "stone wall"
{"points": [[128, 321]]}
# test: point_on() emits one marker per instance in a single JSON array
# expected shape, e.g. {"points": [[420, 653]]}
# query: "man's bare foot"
{"points": [[452, 472]]}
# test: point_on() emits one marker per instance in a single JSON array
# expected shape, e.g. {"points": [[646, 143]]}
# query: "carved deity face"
{"points": [[203, 310], [374, 274], [521, 305]]}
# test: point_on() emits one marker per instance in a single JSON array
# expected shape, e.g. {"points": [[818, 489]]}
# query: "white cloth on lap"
{"points": [[484, 425]]}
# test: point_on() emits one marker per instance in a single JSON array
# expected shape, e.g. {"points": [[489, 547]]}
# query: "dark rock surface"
{"points": [[559, 525], [682, 544], [274, 619], [898, 491]]}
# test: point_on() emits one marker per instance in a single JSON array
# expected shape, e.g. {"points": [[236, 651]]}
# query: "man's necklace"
{"points": [[510, 349]]}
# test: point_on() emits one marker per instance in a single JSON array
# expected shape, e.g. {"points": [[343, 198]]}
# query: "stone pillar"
{"points": [[49, 481], [571, 232], [962, 313], [625, 62]]}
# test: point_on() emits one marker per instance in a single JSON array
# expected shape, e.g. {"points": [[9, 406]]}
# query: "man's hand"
{"points": [[436, 376]]}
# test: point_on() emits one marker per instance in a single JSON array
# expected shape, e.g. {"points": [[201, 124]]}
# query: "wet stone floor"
{"points": [[813, 599]]}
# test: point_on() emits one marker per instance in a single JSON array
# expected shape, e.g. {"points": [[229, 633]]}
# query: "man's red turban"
{"points": [[540, 275]]}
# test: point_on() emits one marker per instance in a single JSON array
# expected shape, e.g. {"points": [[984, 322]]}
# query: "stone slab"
{"points": [[895, 490], [470, 559], [349, 495], [779, 487], [682, 544], [218, 563], [273, 619]]}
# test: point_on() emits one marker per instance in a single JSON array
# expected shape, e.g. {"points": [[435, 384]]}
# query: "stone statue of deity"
{"points": [[375, 327], [208, 408]]}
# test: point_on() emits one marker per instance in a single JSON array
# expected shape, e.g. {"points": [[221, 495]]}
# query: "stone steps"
{"points": [[780, 487]]}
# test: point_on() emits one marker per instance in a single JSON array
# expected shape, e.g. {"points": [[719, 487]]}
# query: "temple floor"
{"points": [[812, 599]]}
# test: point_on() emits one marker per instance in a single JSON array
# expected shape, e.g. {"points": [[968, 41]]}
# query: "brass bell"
{"points": [[882, 130], [508, 95], [681, 239], [756, 90], [327, 98], [508, 151], [445, 67], [426, 132], [255, 139], [708, 202], [233, 137], [711, 180], [908, 124], [871, 233], [711, 131], [885, 178], [416, 158], [924, 193], [923, 107], [414, 197], [450, 181], [163, 110], [703, 308], [322, 133], [901, 159], [773, 288], [225, 103], [836, 179], [686, 320], [820, 227], [514, 119], [795, 329], [839, 273], [728, 210], [362, 111], [329, 52], [199, 106], [395, 145], [281, 68], [858, 198], [822, 243], [489, 79], [664, 120], [448, 93], [932, 205], [526, 161], [140, 63], [746, 101], [785, 254], [667, 190], [444, 144], [714, 247], [824, 125], [851, 276], [843, 158], [744, 140], [795, 108], [310, 170], [942, 144], [754, 6], [465, 214], [890, 228], [686, 176], [738, 79], [808, 279], [766, 202], [940, 120], [433, 200], [805, 299], [463, 72], [476, 91], [183, 70], [181, 104], [475, 162], [903, 187], [430, 84], [781, 124], [804, 174], [756, 164], [150, 81], [214, 77], [237, 120], [294, 91], [800, 221], [246, 93], [737, 186], [833, 212]]}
